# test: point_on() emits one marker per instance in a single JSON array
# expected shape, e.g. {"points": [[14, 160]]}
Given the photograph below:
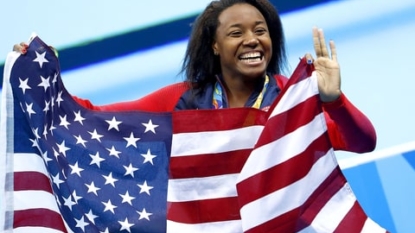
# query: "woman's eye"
{"points": [[260, 31], [236, 33]]}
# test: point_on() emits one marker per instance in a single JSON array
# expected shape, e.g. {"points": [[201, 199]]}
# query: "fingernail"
{"points": [[309, 61], [24, 50]]}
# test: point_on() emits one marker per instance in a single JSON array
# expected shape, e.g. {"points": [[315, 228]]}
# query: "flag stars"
{"points": [[23, 85], [109, 206], [64, 122], [47, 105], [127, 198], [144, 188], [79, 118], [130, 170], [96, 159], [80, 140], [56, 180], [29, 109], [46, 158], [150, 127], [76, 169], [59, 99], [132, 141], [114, 152], [40, 58], [125, 225], [91, 216], [81, 223], [45, 83], [113, 124], [144, 215], [92, 188], [95, 135], [148, 158], [110, 180], [76, 197], [63, 148], [36, 133], [68, 202]]}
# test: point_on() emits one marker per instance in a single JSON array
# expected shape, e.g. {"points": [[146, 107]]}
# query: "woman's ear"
{"points": [[215, 49]]}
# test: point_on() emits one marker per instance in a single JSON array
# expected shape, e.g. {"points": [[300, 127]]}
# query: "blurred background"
{"points": [[113, 51]]}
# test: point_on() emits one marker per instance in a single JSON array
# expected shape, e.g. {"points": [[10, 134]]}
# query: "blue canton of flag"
{"points": [[108, 171]]}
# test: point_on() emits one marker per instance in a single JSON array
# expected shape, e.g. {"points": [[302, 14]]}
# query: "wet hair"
{"points": [[200, 64]]}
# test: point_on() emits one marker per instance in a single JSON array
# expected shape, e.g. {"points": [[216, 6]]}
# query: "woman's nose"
{"points": [[251, 41]]}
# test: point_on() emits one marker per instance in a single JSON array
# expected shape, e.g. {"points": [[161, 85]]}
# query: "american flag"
{"points": [[69, 169]]}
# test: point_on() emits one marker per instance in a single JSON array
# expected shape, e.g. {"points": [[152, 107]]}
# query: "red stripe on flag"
{"points": [[353, 221], [287, 122], [204, 211], [208, 164], [38, 218], [31, 181], [223, 119], [301, 217], [301, 164]]}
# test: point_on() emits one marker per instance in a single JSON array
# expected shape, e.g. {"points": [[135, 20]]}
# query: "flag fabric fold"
{"points": [[65, 168]]}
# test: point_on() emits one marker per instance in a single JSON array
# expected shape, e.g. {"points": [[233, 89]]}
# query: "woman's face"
{"points": [[243, 42]]}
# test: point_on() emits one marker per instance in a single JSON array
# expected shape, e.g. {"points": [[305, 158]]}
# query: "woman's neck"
{"points": [[239, 90]]}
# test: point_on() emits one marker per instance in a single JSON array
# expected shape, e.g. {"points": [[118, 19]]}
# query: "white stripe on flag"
{"points": [[260, 210], [184, 144], [333, 212], [372, 227], [24, 200], [193, 189], [35, 230], [29, 162], [297, 94], [224, 227], [263, 158]]}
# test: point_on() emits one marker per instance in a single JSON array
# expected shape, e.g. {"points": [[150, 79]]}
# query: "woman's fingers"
{"points": [[21, 48], [319, 42], [333, 51]]}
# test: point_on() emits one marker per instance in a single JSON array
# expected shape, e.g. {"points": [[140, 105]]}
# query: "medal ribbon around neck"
{"points": [[217, 102]]}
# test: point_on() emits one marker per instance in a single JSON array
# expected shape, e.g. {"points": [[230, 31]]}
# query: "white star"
{"points": [[148, 157], [29, 109], [95, 135], [64, 122], [96, 159], [127, 198], [91, 216], [45, 131], [47, 104], [76, 169], [57, 180], [36, 133], [68, 202], [40, 58], [145, 188], [81, 223], [23, 85], [144, 214], [75, 197], [55, 78], [113, 124], [80, 140], [114, 152], [63, 148], [59, 99], [126, 225], [34, 143], [131, 141], [109, 206], [92, 188], [52, 127], [46, 158], [55, 153], [110, 180], [130, 170], [150, 127], [45, 83], [78, 117], [105, 231]]}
